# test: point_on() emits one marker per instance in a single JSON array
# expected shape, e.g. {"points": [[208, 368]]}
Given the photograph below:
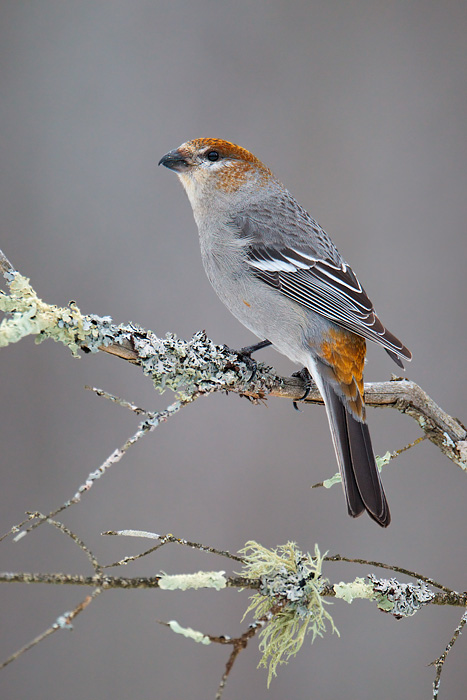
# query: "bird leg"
{"points": [[250, 349]]}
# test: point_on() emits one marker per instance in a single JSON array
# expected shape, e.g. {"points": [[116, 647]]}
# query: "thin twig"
{"points": [[66, 531], [164, 539], [147, 426], [398, 452], [16, 528], [6, 268], [116, 399], [387, 458], [391, 567], [238, 643], [439, 663], [63, 622]]}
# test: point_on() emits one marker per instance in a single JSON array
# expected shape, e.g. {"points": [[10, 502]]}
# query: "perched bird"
{"points": [[280, 274]]}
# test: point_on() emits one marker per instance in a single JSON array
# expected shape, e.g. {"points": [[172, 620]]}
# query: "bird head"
{"points": [[215, 168]]}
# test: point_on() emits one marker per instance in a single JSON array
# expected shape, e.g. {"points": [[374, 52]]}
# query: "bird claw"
{"points": [[245, 354], [306, 378]]}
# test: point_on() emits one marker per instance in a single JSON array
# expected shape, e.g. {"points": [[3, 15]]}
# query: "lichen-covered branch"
{"points": [[289, 599], [290, 591], [199, 366], [213, 579]]}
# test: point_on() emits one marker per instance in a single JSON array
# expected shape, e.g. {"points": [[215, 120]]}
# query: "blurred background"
{"points": [[360, 109]]}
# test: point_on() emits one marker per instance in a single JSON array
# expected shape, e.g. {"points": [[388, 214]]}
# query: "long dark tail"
{"points": [[352, 443]]}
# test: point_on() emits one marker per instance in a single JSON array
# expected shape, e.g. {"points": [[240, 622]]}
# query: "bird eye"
{"points": [[212, 156]]}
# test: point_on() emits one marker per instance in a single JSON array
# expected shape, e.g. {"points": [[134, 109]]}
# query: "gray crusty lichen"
{"points": [[181, 365], [400, 599], [391, 596]]}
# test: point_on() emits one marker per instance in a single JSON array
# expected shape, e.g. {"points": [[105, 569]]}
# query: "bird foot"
{"points": [[245, 355], [305, 376]]}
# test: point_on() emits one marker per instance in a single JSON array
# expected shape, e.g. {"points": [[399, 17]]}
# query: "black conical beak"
{"points": [[174, 161]]}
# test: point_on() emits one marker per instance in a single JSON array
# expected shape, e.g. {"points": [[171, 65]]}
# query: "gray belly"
{"points": [[264, 311]]}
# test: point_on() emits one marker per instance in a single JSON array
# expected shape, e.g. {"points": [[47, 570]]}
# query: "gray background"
{"points": [[360, 108]]}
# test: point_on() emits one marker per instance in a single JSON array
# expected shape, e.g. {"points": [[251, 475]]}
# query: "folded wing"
{"points": [[316, 277]]}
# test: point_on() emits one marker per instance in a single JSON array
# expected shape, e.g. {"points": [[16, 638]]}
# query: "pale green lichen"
{"points": [[380, 463], [32, 316], [289, 601], [384, 604], [186, 367], [384, 460], [354, 589], [202, 579], [336, 479], [188, 632]]}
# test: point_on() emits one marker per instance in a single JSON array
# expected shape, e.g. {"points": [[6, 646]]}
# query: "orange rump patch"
{"points": [[345, 353]]}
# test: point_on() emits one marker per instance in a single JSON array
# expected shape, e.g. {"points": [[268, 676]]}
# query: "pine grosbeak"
{"points": [[280, 274]]}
